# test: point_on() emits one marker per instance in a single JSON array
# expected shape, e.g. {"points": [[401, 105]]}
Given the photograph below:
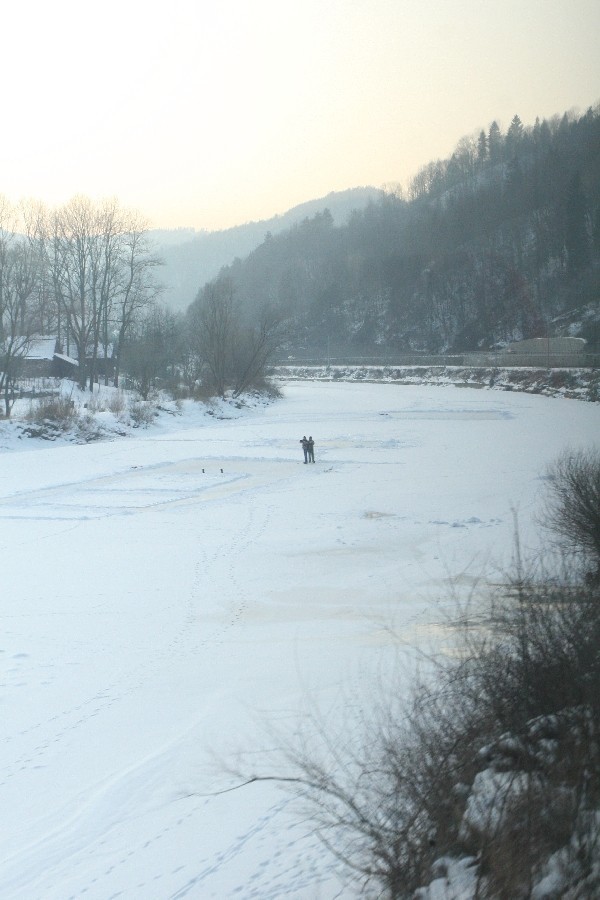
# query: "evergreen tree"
{"points": [[482, 148], [494, 143], [514, 137]]}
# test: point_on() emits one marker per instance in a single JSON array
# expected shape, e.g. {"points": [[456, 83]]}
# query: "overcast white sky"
{"points": [[210, 113]]}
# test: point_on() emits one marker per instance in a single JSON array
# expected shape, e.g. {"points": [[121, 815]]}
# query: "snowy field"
{"points": [[167, 598]]}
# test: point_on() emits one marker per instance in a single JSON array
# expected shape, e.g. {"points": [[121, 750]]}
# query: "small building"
{"points": [[64, 366], [43, 359]]}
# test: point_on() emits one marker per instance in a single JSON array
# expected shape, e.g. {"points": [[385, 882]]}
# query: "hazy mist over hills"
{"points": [[497, 243], [191, 258]]}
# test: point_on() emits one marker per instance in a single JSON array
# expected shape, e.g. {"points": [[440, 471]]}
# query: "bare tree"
{"points": [[234, 349], [191, 365], [8, 226], [138, 291], [213, 320], [149, 358], [20, 268], [34, 218], [75, 274], [256, 346], [19, 276], [101, 273]]}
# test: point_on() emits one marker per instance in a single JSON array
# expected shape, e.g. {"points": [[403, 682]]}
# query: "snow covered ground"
{"points": [[168, 597]]}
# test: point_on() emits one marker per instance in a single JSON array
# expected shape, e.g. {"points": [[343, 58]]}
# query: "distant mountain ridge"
{"points": [[191, 258], [498, 243]]}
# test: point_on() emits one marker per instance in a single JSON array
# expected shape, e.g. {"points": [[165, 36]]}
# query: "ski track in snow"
{"points": [[114, 802], [243, 588], [73, 718]]}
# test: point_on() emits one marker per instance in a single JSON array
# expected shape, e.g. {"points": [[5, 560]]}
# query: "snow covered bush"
{"points": [[142, 413], [56, 408], [87, 429], [531, 779], [51, 416]]}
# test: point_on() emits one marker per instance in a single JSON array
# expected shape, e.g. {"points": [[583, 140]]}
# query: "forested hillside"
{"points": [[497, 243], [191, 258]]}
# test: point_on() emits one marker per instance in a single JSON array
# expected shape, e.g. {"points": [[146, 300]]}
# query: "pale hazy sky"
{"points": [[210, 113]]}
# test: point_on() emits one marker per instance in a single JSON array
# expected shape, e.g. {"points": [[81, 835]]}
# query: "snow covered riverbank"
{"points": [[574, 384]]}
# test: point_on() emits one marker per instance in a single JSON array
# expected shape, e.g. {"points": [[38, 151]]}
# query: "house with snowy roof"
{"points": [[44, 359]]}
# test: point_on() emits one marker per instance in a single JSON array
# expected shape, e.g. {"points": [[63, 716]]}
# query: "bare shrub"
{"points": [[202, 392], [519, 713], [354, 788], [572, 510], [540, 656], [94, 404], [56, 410], [533, 684], [117, 403], [263, 386], [142, 413]]}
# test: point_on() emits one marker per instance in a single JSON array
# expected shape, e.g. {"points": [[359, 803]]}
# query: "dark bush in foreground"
{"points": [[495, 762], [572, 510]]}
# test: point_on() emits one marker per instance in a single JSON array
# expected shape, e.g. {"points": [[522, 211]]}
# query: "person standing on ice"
{"points": [[304, 443], [311, 449]]}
